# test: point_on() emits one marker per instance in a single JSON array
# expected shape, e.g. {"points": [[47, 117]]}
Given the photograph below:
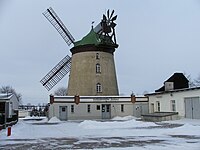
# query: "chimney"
{"points": [[51, 99], [77, 99]]}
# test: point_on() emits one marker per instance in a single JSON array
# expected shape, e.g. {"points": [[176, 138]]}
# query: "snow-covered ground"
{"points": [[118, 133]]}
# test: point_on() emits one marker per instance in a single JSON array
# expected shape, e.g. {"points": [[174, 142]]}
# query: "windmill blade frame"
{"points": [[108, 13], [53, 18], [57, 73], [114, 18], [111, 14]]}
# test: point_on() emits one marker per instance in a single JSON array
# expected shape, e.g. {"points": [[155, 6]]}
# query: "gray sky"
{"points": [[156, 38]]}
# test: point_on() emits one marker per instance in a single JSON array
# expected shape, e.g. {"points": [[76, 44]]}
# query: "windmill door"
{"points": [[106, 111], [192, 106], [63, 113]]}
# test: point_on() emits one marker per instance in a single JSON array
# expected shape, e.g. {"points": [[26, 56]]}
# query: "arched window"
{"points": [[98, 68], [98, 88], [97, 56]]}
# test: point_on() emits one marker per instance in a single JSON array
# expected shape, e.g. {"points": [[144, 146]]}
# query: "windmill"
{"points": [[103, 33]]}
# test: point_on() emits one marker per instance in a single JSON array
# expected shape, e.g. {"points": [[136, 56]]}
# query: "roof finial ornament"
{"points": [[92, 24]]}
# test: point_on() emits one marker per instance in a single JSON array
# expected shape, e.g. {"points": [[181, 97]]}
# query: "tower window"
{"points": [[98, 68], [98, 88], [97, 56]]}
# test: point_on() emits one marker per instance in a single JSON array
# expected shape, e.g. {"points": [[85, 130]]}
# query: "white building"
{"points": [[176, 96], [96, 107], [184, 101]]}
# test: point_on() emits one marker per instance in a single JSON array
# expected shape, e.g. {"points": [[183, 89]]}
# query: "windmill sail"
{"points": [[57, 73], [58, 25]]}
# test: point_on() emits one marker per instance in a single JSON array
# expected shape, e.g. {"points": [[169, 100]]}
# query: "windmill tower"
{"points": [[91, 67]]}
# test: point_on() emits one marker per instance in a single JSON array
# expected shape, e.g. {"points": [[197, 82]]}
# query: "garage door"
{"points": [[192, 108]]}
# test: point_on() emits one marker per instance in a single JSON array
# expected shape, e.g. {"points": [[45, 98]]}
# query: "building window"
{"points": [[158, 105], [98, 88], [98, 107], [173, 105], [88, 108], [98, 68], [63, 109], [97, 56], [72, 108], [122, 107]]}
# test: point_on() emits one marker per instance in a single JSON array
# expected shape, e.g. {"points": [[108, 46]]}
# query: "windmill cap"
{"points": [[95, 39]]}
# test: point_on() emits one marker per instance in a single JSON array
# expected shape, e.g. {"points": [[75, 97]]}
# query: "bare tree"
{"points": [[145, 92], [9, 89], [197, 81], [191, 82], [61, 91]]}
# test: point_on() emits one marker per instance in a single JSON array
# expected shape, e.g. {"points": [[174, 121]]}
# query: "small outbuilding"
{"points": [[176, 96], [184, 101], [8, 109]]}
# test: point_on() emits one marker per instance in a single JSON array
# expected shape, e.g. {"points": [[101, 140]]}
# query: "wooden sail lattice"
{"points": [[57, 73], [58, 25]]}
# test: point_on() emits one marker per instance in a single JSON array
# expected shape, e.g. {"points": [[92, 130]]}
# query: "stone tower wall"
{"points": [[83, 78]]}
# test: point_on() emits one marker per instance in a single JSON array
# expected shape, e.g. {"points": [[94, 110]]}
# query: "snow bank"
{"points": [[186, 129], [43, 120], [89, 124], [33, 118], [54, 120], [123, 118], [185, 121]]}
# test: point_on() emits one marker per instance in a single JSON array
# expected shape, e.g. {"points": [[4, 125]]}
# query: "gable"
{"points": [[179, 82]]}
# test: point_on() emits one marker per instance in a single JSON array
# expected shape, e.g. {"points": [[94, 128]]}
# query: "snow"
{"points": [[54, 120], [118, 133], [33, 118], [124, 118], [184, 120], [88, 124]]}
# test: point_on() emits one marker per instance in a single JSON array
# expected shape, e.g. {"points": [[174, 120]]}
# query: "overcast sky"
{"points": [[156, 38]]}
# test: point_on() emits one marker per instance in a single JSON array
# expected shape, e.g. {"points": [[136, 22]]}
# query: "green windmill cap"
{"points": [[93, 38]]}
